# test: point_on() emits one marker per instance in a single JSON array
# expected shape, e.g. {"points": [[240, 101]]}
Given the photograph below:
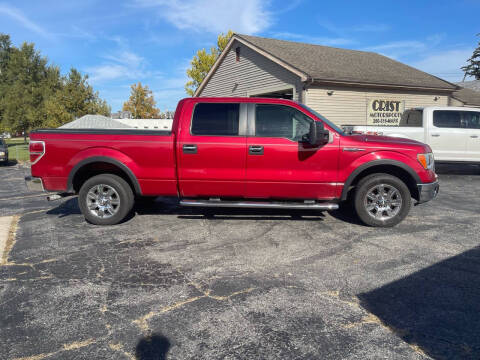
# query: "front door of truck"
{"points": [[279, 165], [211, 151]]}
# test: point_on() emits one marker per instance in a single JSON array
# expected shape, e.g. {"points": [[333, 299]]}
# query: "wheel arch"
{"points": [[391, 167], [96, 165]]}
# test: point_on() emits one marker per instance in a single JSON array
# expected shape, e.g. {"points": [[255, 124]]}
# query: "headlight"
{"points": [[426, 160], [2, 153]]}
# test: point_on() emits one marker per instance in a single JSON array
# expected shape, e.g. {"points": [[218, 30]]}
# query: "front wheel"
{"points": [[105, 199], [382, 200]]}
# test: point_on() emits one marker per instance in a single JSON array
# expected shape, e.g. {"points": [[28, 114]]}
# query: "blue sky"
{"points": [[118, 43]]}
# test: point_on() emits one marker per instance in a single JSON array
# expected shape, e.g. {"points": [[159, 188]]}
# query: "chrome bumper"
{"points": [[34, 184], [427, 192]]}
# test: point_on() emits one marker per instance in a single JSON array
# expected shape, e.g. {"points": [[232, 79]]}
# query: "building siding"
{"points": [[347, 106], [251, 74]]}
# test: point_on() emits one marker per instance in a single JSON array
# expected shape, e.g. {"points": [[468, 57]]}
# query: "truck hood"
{"points": [[389, 141]]}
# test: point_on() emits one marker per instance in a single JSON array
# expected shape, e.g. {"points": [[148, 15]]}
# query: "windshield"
{"points": [[323, 118]]}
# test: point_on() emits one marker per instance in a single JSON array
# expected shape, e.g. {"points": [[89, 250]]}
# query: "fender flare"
{"points": [[370, 164], [105, 159]]}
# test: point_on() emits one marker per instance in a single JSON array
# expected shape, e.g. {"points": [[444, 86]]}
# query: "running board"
{"points": [[260, 205]]}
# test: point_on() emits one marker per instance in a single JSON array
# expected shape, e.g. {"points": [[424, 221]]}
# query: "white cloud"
{"points": [[407, 48], [398, 47], [214, 16], [17, 15], [122, 64], [446, 64], [371, 28], [343, 31], [318, 40]]}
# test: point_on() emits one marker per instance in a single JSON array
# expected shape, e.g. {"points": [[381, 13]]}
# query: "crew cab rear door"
{"points": [[211, 151], [281, 166], [472, 121], [448, 135]]}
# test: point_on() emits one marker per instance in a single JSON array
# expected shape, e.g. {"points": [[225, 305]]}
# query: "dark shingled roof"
{"points": [[467, 96], [328, 63], [473, 84]]}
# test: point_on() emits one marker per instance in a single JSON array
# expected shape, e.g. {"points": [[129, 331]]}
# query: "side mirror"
{"points": [[317, 134]]}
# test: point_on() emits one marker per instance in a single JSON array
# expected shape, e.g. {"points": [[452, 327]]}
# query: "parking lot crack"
{"points": [[120, 348], [65, 348]]}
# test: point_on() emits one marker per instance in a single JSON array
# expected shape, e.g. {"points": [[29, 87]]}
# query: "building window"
{"points": [[237, 54]]}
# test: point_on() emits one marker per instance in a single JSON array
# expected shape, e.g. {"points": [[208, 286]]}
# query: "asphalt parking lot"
{"points": [[185, 284]]}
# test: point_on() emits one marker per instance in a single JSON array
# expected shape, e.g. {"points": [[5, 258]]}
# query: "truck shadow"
{"points": [[457, 169], [166, 206], [436, 309], [9, 163]]}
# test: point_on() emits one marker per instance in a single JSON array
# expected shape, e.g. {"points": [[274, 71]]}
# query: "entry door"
{"points": [[212, 152], [448, 135], [278, 164], [472, 121]]}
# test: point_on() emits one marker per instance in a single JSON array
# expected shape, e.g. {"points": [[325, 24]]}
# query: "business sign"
{"points": [[382, 112]]}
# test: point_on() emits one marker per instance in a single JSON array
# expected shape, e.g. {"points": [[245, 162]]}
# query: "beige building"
{"points": [[346, 86]]}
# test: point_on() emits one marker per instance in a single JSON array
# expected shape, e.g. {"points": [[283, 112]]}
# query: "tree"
{"points": [[141, 103], [203, 61], [35, 94], [473, 67], [23, 89]]}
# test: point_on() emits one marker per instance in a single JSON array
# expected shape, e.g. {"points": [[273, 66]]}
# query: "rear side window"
{"points": [[215, 119], [447, 119], [412, 118], [281, 121], [472, 119]]}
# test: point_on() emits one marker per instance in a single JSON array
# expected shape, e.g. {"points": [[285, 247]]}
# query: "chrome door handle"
{"points": [[255, 150], [189, 149], [353, 149], [474, 136], [435, 135]]}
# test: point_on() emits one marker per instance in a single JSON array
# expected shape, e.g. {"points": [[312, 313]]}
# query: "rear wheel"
{"points": [[382, 200], [105, 199]]}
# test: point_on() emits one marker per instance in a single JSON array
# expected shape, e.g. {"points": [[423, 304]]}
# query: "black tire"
{"points": [[121, 191], [397, 207]]}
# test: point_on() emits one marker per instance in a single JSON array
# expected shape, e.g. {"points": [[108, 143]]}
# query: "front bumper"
{"points": [[427, 192], [34, 183]]}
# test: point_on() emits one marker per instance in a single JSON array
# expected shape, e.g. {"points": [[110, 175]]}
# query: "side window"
{"points": [[215, 119], [412, 118], [447, 119], [280, 121], [472, 119]]}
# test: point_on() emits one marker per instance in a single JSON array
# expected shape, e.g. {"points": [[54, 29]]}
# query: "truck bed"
{"points": [[149, 154]]}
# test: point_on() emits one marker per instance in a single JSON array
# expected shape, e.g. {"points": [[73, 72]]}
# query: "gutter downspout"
{"points": [[306, 83]]}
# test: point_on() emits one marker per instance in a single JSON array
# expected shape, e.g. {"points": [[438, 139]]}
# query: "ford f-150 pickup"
{"points": [[235, 152]]}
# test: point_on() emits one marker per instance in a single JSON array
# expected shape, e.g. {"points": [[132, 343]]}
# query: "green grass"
{"points": [[18, 149]]}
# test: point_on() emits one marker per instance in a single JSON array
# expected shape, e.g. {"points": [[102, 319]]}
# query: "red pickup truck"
{"points": [[235, 152]]}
